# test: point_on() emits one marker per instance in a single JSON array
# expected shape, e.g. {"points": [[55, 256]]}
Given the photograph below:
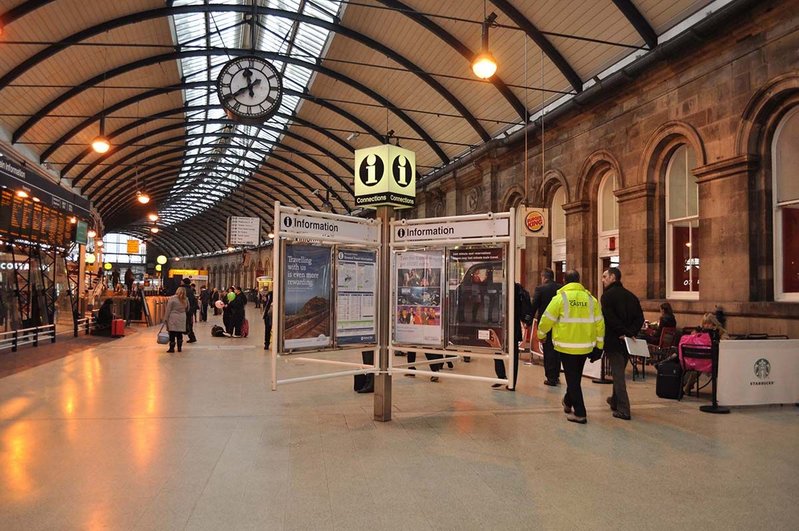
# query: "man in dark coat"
{"points": [[191, 308], [623, 318], [267, 319], [541, 297], [524, 316], [205, 298]]}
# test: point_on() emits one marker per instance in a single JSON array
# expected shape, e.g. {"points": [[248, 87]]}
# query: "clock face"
{"points": [[249, 89]]}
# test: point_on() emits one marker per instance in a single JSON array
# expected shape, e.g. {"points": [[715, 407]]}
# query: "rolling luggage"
{"points": [[669, 380], [118, 328], [245, 328]]}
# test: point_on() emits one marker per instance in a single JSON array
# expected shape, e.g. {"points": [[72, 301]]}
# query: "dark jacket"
{"points": [[521, 315], [204, 296], [192, 307], [542, 296], [268, 306], [623, 316]]}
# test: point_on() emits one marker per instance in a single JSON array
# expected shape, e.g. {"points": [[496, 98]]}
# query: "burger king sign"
{"points": [[536, 222]]}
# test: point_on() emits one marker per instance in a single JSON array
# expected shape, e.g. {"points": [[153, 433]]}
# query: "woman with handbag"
{"points": [[175, 318]]}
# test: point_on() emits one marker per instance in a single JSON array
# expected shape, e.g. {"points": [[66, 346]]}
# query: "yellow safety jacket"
{"points": [[575, 318]]}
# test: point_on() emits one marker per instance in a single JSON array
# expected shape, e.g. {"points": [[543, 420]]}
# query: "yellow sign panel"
{"points": [[385, 175], [133, 246], [188, 272]]}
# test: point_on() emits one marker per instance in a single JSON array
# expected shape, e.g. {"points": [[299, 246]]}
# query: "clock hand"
{"points": [[251, 85]]}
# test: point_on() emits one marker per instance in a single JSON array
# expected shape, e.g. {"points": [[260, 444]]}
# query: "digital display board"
{"points": [[25, 219]]}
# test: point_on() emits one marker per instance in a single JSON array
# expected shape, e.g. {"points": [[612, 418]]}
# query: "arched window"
{"points": [[785, 200], [608, 223], [682, 226], [558, 224]]}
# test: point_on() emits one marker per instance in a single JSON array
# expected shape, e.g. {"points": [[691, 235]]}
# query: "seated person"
{"points": [[667, 320], [709, 322], [102, 326]]}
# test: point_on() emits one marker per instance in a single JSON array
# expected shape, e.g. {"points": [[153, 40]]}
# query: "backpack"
{"points": [[217, 331], [524, 305]]}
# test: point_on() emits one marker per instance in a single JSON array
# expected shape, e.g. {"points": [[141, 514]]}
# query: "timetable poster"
{"points": [[356, 284], [419, 287], [307, 297]]}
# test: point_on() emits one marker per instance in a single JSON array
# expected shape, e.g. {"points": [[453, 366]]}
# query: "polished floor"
{"points": [[125, 436]]}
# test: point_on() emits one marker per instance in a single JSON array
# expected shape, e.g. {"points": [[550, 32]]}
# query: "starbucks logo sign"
{"points": [[762, 368]]}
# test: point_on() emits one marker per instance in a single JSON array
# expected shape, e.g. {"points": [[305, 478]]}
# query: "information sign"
{"points": [[243, 231], [419, 290], [307, 297], [81, 232], [451, 230], [327, 228], [356, 285], [385, 175], [133, 246]]}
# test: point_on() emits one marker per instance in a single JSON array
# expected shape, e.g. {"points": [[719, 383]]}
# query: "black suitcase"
{"points": [[669, 380]]}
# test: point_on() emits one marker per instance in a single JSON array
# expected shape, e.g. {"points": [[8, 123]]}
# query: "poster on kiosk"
{"points": [[419, 290], [476, 284], [356, 284], [307, 297]]}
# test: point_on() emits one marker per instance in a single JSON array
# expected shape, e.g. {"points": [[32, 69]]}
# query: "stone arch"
{"points": [[513, 197], [553, 179], [593, 169], [759, 122]]}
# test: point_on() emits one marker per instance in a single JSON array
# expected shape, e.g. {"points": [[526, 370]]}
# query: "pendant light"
{"points": [[484, 65], [101, 144]]}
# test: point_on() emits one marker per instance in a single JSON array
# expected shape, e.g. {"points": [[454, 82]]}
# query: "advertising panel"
{"points": [[307, 298], [476, 283], [356, 294], [419, 289]]}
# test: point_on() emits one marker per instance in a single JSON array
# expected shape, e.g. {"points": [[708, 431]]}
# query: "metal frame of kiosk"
{"points": [[339, 232], [498, 229]]}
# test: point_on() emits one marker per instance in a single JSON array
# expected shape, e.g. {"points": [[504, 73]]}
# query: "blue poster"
{"points": [[356, 279], [306, 320]]}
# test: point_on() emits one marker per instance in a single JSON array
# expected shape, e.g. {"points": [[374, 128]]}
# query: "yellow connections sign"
{"points": [[188, 273], [385, 175], [133, 246]]}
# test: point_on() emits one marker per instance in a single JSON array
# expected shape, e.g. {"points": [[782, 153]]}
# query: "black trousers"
{"points": [[365, 383], [204, 313], [499, 366], [176, 337], [573, 368], [435, 367], [268, 331], [190, 326], [551, 359], [618, 364]]}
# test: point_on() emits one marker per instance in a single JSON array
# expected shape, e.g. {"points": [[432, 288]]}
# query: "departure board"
{"points": [[26, 219]]}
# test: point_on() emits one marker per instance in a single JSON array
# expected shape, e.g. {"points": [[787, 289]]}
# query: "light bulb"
{"points": [[154, 230], [484, 65], [22, 193], [153, 217], [142, 198], [101, 145], [92, 233]]}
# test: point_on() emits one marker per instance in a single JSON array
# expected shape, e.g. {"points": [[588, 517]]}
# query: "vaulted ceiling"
{"points": [[353, 72]]}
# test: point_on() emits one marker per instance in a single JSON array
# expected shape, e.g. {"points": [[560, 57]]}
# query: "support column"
{"points": [[578, 244], [382, 404], [637, 230]]}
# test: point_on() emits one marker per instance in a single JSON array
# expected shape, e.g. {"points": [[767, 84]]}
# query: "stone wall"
{"points": [[723, 97], [232, 269]]}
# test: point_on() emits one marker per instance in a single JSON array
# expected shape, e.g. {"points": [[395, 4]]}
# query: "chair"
{"points": [[699, 352], [665, 346]]}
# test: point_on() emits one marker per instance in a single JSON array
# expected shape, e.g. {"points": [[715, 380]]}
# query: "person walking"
{"points": [[205, 298], [542, 296], [175, 318], [190, 310], [624, 317], [129, 278], [524, 316], [267, 320], [575, 318]]}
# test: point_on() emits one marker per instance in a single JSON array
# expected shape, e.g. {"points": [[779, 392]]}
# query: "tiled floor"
{"points": [[125, 436]]}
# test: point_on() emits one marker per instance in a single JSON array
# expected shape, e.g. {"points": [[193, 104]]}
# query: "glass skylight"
{"points": [[212, 167]]}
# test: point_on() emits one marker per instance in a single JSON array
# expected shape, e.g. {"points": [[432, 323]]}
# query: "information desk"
{"points": [[755, 372]]}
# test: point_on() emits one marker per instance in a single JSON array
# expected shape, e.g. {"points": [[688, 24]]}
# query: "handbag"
{"points": [[163, 337]]}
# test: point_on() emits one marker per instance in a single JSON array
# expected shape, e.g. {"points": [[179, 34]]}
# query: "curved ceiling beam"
{"points": [[201, 84], [163, 114], [273, 155], [158, 175], [363, 39], [461, 48], [112, 204], [638, 21], [554, 55], [237, 135]]}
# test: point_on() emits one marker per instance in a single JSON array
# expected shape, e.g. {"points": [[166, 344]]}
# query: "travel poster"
{"points": [[419, 287], [476, 284], [306, 300], [356, 285]]}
